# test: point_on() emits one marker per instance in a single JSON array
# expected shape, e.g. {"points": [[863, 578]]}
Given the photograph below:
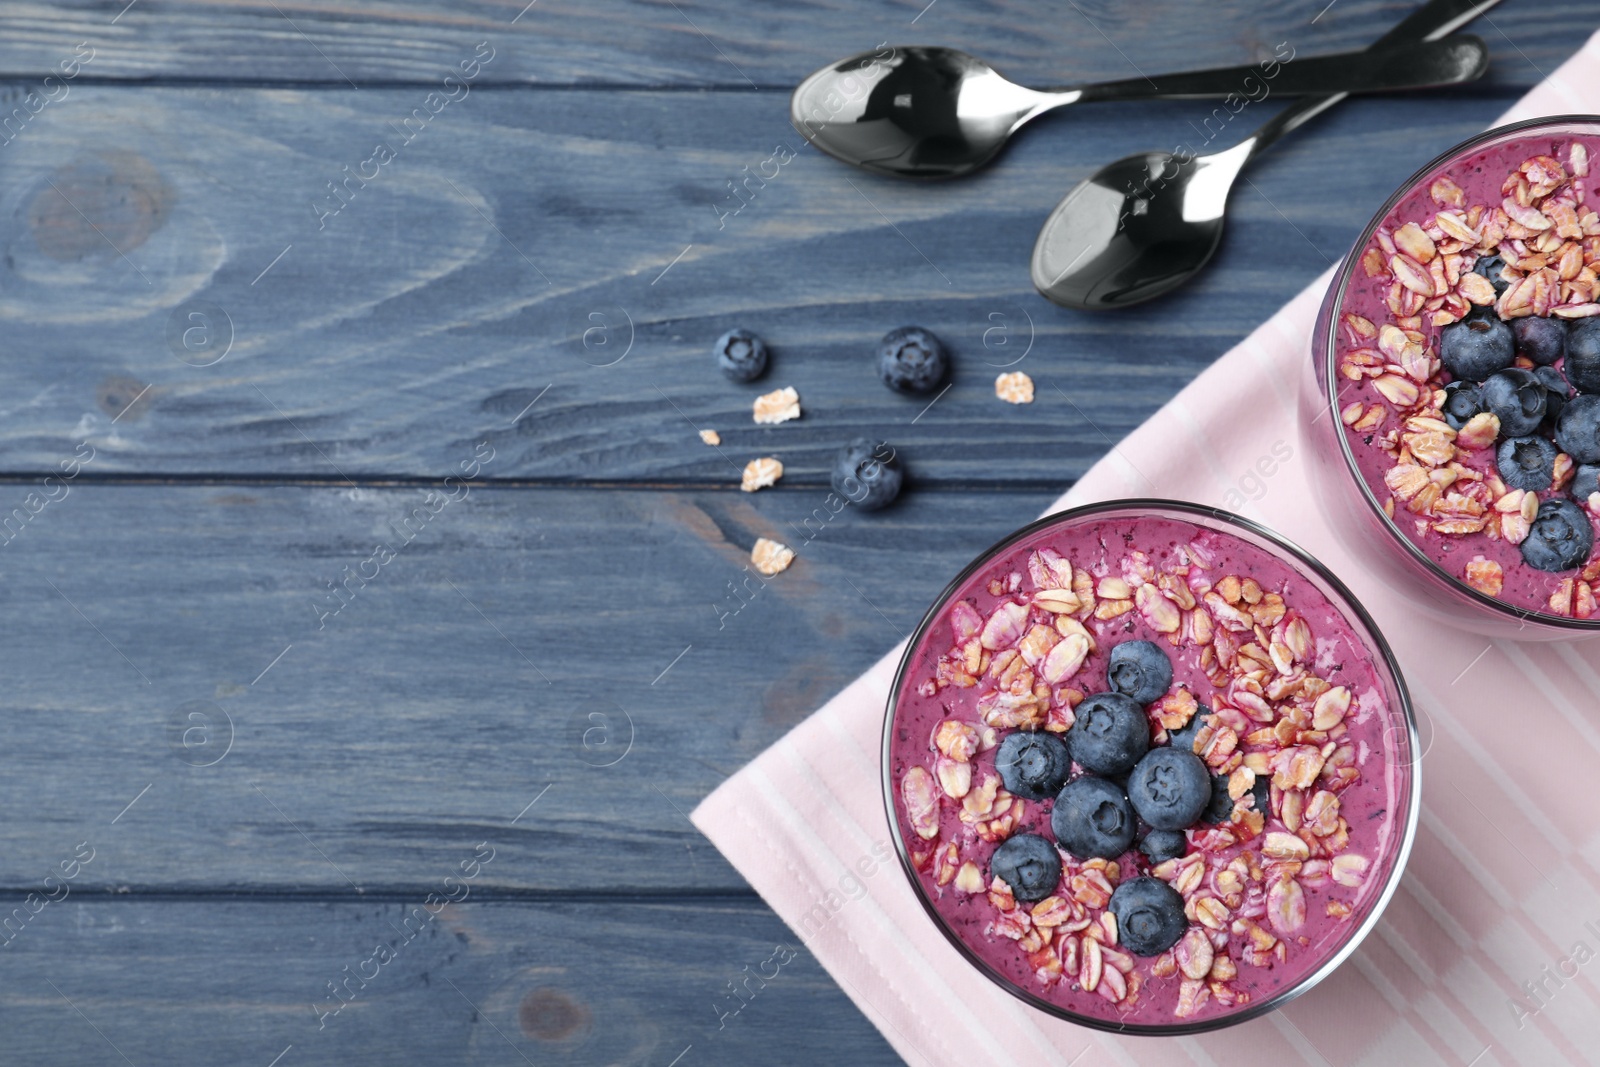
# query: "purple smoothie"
{"points": [[1268, 906], [1469, 526]]}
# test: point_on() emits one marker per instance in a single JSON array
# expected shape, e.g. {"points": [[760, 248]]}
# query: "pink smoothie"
{"points": [[1459, 526], [1270, 895]]}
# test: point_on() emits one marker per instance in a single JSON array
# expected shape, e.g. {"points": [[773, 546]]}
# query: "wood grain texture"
{"points": [[567, 248], [701, 42], [91, 979], [520, 641]]}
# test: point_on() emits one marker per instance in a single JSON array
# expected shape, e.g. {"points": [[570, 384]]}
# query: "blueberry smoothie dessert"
{"points": [[1468, 354], [1145, 771]]}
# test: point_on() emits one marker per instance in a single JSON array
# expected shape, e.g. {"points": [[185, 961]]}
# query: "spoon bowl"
{"points": [[1138, 228], [912, 112]]}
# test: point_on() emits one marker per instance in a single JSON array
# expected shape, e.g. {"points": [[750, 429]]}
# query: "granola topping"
{"points": [[1279, 699], [1513, 235]]}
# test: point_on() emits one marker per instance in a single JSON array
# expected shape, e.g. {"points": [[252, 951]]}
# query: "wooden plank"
{"points": [[578, 649], [695, 42], [91, 979], [460, 295]]}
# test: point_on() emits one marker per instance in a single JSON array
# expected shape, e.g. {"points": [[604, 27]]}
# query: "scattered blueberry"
{"points": [[1544, 341], [1585, 480], [1184, 738], [1462, 400], [741, 355], [912, 360], [1149, 914], [1475, 348], [1164, 844], [867, 474], [1092, 817], [1556, 391], [1490, 267], [1583, 355], [1526, 463], [1561, 537], [1033, 766], [1517, 399], [1029, 864], [1169, 788], [1140, 671], [1109, 735], [1578, 431]]}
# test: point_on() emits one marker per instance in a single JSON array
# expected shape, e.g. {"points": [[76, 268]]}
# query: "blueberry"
{"points": [[1169, 788], [741, 355], [1149, 914], [1578, 430], [1109, 735], [1184, 738], [1029, 864], [1140, 671], [912, 360], [1033, 766], [1462, 400], [1219, 805], [867, 473], [1518, 400], [1092, 817], [1262, 792], [1561, 537], [1555, 393], [1544, 341], [1585, 480], [1583, 355], [1526, 463], [1164, 844], [1475, 348], [1490, 267]]}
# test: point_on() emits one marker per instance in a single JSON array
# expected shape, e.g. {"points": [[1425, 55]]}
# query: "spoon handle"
{"points": [[1401, 66], [1429, 22]]}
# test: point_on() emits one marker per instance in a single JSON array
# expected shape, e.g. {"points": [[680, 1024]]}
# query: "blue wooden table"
{"points": [[371, 619]]}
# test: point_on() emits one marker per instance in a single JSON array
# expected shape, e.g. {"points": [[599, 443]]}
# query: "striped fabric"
{"points": [[1488, 954]]}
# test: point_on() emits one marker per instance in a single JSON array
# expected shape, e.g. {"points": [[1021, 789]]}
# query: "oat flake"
{"points": [[780, 405], [1014, 388], [760, 473], [770, 557]]}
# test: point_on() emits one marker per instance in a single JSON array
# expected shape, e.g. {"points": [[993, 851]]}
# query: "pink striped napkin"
{"points": [[1484, 954]]}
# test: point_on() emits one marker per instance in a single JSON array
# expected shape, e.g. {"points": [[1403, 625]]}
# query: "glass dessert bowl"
{"points": [[1451, 405], [1150, 768]]}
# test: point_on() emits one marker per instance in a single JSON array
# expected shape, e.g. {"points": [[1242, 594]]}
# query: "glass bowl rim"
{"points": [[1301, 558], [1336, 294]]}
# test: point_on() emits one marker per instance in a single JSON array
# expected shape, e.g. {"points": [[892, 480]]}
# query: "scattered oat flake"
{"points": [[780, 405], [770, 557], [711, 437], [760, 473], [1014, 388]]}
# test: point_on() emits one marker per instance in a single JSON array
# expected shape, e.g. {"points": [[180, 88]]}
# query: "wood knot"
{"points": [[551, 1015], [123, 398], [102, 206]]}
